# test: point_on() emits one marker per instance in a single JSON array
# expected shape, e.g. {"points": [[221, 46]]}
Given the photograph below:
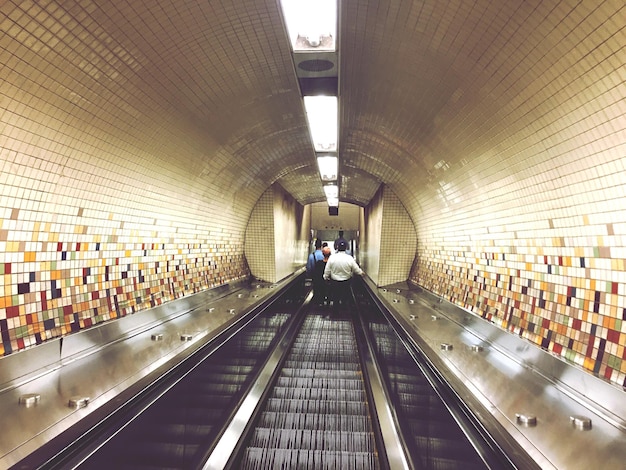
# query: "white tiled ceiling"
{"points": [[429, 90]]}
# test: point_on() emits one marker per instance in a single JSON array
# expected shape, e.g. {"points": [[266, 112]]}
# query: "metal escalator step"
{"points": [[308, 439], [317, 414], [315, 421], [353, 365], [261, 459], [317, 406], [320, 383], [331, 373], [318, 394]]}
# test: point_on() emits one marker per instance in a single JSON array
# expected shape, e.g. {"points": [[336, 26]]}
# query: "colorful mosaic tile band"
{"points": [[51, 289], [562, 303]]}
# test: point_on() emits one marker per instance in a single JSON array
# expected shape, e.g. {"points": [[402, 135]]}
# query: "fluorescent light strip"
{"points": [[312, 24], [321, 113], [331, 191], [327, 165]]}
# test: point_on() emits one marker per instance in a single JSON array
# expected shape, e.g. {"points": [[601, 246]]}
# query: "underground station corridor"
{"points": [[167, 167]]}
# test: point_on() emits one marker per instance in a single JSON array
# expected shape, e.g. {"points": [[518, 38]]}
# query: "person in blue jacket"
{"points": [[313, 258]]}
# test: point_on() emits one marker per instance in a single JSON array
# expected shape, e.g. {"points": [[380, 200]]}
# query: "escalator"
{"points": [[317, 415], [170, 433], [294, 388]]}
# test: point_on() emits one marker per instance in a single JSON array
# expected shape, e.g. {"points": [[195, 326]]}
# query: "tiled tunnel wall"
{"points": [[399, 241], [370, 240], [259, 240], [277, 235], [108, 201], [536, 244], [528, 230], [388, 241], [73, 263]]}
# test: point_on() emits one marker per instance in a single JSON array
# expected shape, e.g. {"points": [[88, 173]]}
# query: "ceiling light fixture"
{"points": [[311, 24], [331, 191], [321, 112], [328, 166]]}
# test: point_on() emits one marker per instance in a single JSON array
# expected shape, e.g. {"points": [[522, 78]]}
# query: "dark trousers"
{"points": [[341, 293], [319, 290]]}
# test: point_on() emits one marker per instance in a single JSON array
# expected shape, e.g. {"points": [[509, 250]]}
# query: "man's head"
{"points": [[326, 251], [342, 245], [318, 244]]}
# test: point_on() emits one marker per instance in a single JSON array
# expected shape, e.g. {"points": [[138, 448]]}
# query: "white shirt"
{"points": [[341, 266]]}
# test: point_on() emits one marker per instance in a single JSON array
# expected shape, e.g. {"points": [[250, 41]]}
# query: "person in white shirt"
{"points": [[339, 270]]}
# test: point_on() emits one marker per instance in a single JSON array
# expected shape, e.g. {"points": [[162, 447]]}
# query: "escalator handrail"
{"points": [[493, 443], [73, 446], [393, 444], [233, 435]]}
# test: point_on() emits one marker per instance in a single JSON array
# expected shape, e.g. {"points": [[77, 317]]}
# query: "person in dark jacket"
{"points": [[340, 240]]}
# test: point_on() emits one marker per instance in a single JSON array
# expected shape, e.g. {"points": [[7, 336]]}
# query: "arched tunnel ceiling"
{"points": [[211, 90]]}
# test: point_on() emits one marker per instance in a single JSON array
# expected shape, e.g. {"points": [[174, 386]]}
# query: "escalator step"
{"points": [[307, 439], [261, 459], [310, 421], [316, 406]]}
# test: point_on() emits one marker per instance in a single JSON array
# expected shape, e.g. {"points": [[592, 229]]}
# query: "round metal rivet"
{"points": [[384, 290], [157, 336], [239, 296], [434, 317], [526, 420], [231, 311], [412, 317], [395, 301], [411, 301], [29, 399], [256, 296], [210, 309], [580, 422], [78, 402], [398, 291], [446, 346], [186, 337], [476, 347]]}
